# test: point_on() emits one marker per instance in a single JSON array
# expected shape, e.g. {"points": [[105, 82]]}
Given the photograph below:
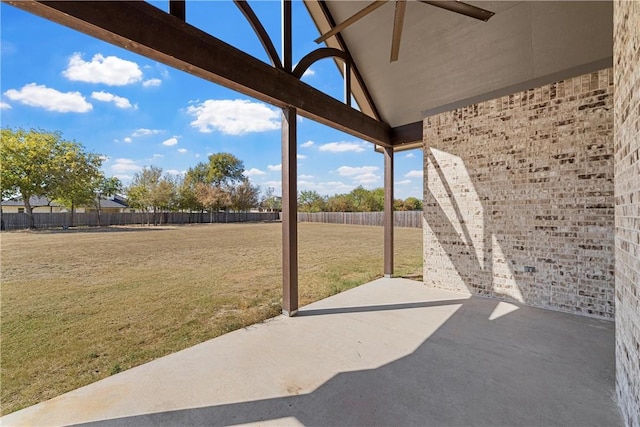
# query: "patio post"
{"points": [[388, 212], [289, 181], [289, 213]]}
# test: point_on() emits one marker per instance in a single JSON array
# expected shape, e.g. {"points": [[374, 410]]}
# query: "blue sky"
{"points": [[138, 112]]}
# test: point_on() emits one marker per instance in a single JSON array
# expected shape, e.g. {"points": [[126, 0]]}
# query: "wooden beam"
{"points": [[260, 31], [142, 28], [388, 212], [178, 9], [407, 134], [367, 104], [350, 20], [289, 213], [398, 24]]}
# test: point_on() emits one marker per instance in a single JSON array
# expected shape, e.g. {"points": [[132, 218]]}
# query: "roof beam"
{"points": [[148, 31]]}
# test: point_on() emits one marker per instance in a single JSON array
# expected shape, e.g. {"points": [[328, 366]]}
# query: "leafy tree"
{"points": [[105, 187], [223, 169], [340, 203], [187, 198], [151, 191], [310, 201], [412, 204], [41, 164], [212, 198], [244, 196], [367, 200], [209, 185], [270, 201]]}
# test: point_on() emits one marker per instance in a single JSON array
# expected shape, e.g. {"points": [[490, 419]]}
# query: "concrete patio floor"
{"points": [[391, 352]]}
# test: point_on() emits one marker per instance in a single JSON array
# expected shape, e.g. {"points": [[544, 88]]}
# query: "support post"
{"points": [[289, 213], [388, 212], [289, 180]]}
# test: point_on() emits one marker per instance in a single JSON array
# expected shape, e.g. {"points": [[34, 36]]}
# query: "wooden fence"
{"points": [[15, 221], [411, 219]]}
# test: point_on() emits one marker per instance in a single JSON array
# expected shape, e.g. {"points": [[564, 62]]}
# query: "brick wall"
{"points": [[522, 181], [627, 206]]}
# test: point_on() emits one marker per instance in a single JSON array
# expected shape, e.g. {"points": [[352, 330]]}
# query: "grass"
{"points": [[80, 305]]}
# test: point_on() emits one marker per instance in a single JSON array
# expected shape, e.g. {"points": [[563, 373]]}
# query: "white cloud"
{"points": [[342, 147], [307, 144], [175, 172], [234, 117], [275, 167], [125, 165], [109, 97], [308, 73], [352, 171], [254, 172], [128, 140], [171, 141], [157, 156], [362, 175], [409, 156], [4, 106], [325, 188], [145, 132], [366, 178], [404, 182], [182, 150], [50, 99], [152, 83], [414, 174], [306, 177], [301, 156], [123, 177], [111, 70]]}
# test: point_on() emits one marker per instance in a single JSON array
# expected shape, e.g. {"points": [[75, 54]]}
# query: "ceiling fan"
{"points": [[398, 19]]}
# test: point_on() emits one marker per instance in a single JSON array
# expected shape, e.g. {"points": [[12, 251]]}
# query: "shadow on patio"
{"points": [[391, 352]]}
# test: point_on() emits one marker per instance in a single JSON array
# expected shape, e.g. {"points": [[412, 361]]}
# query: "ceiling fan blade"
{"points": [[462, 8], [353, 18], [398, 23]]}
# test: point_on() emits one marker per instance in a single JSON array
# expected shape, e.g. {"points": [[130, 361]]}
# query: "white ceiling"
{"points": [[449, 60]]}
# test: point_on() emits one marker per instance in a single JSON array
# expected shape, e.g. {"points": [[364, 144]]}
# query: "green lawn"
{"points": [[80, 305]]}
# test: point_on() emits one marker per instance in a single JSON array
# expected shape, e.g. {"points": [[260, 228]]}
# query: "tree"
{"points": [[340, 203], [105, 187], [212, 198], [244, 196], [224, 169], [209, 185], [37, 163], [367, 200], [187, 198], [270, 201], [412, 204], [151, 191], [310, 201], [79, 180]]}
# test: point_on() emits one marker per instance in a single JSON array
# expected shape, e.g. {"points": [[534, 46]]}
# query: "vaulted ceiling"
{"points": [[448, 60]]}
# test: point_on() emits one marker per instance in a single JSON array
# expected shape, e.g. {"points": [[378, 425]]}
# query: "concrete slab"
{"points": [[391, 352]]}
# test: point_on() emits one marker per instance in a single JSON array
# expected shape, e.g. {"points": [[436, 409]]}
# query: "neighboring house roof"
{"points": [[35, 201], [116, 202]]}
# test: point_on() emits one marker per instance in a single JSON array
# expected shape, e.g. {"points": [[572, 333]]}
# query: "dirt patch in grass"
{"points": [[79, 306]]}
